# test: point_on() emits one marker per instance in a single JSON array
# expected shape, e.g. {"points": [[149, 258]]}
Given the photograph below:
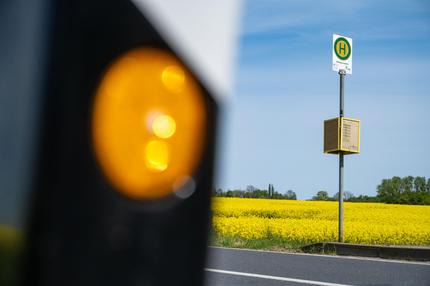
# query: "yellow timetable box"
{"points": [[342, 134]]}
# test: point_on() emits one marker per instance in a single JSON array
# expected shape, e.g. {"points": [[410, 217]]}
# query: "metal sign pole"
{"points": [[342, 78]]}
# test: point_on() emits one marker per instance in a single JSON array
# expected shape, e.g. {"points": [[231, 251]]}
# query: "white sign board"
{"points": [[342, 53]]}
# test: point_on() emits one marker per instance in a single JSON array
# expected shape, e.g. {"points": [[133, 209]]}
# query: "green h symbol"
{"points": [[342, 48]]}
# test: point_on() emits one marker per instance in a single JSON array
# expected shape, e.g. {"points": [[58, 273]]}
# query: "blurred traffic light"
{"points": [[125, 156]]}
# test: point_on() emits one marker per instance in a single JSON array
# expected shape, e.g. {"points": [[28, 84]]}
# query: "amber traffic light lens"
{"points": [[149, 121]]}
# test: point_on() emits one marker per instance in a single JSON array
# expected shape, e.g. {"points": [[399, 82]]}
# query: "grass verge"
{"points": [[268, 243]]}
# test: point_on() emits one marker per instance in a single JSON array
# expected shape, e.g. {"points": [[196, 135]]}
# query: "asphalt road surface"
{"points": [[247, 267]]}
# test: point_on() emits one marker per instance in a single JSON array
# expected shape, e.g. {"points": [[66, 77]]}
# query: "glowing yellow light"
{"points": [[164, 126], [149, 119], [157, 155], [173, 78]]}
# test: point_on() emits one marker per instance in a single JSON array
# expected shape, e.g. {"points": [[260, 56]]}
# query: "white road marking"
{"points": [[327, 255], [278, 278]]}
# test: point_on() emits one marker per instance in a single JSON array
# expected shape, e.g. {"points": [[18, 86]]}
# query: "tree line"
{"points": [[347, 196], [407, 190], [253, 192]]}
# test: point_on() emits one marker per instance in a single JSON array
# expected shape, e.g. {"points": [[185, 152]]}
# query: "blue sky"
{"points": [[272, 129]]}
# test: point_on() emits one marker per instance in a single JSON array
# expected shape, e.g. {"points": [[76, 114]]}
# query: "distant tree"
{"points": [[420, 185], [217, 192], [407, 184], [336, 196], [271, 190], [261, 194], [278, 196], [250, 188], [389, 190], [290, 195], [347, 196], [321, 196], [239, 193]]}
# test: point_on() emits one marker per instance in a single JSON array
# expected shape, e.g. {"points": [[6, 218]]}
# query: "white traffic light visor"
{"points": [[203, 33]]}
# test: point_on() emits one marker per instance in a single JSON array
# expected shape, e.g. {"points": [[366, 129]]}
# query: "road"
{"points": [[248, 267]]}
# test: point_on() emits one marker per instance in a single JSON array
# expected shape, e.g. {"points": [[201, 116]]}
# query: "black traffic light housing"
{"points": [[80, 230]]}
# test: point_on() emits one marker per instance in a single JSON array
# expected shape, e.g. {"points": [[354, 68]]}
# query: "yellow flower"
{"points": [[311, 221]]}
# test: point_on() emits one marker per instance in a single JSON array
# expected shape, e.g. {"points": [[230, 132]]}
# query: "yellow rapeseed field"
{"points": [[312, 221]]}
